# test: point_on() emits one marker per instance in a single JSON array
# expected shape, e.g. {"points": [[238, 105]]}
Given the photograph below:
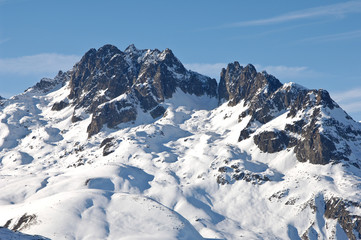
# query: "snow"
{"points": [[10, 235], [294, 85], [161, 180]]}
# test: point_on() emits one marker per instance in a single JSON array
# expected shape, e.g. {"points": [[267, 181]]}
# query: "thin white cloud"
{"points": [[285, 72], [349, 100], [334, 37], [37, 64], [4, 40], [336, 10], [352, 107], [347, 95]]}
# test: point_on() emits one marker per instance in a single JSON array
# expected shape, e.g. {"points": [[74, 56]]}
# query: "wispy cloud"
{"points": [[349, 100], [347, 95], [286, 73], [334, 37], [336, 10], [37, 64], [5, 39]]}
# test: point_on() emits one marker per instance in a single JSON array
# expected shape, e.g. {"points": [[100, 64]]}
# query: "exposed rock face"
{"points": [[254, 178], [113, 86], [313, 133], [60, 105], [107, 145], [23, 222], [238, 83], [273, 141], [336, 208], [46, 84], [110, 84]]}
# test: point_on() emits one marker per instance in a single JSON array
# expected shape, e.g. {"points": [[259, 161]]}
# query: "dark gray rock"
{"points": [[75, 119], [296, 127], [266, 98], [336, 208], [147, 77], [60, 105], [112, 85], [272, 142], [157, 112], [245, 133], [105, 141], [107, 144], [315, 147], [243, 83], [112, 114], [47, 84], [24, 221]]}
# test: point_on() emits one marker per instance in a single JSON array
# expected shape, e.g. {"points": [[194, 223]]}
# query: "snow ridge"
{"points": [[174, 156]]}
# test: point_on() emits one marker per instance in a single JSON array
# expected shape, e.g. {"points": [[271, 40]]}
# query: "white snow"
{"points": [[161, 180]]}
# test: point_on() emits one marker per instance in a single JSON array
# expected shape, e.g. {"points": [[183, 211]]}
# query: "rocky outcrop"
{"points": [[108, 146], [273, 141], [112, 114], [312, 135], [337, 208], [243, 83], [60, 105], [22, 223], [110, 84], [47, 84]]}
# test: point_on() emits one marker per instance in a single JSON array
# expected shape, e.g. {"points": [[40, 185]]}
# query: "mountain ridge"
{"points": [[135, 135], [138, 75]]}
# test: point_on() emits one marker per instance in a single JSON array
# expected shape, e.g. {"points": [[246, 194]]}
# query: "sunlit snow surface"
{"points": [[161, 180]]}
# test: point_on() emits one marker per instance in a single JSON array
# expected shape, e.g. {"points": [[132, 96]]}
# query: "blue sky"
{"points": [[314, 43]]}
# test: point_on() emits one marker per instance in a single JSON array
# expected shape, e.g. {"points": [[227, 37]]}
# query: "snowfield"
{"points": [[170, 178]]}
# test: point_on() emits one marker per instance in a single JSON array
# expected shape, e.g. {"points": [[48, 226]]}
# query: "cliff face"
{"points": [[243, 83], [317, 129], [192, 159], [111, 84]]}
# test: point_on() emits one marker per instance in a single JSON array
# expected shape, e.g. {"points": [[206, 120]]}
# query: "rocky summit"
{"points": [[111, 85], [313, 130], [130, 144]]}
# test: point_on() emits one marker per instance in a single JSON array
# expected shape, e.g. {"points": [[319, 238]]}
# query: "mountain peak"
{"points": [[143, 78], [250, 69], [108, 48], [131, 48], [242, 83], [136, 136]]}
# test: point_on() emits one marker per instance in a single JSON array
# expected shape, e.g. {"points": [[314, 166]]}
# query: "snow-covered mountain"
{"points": [[131, 145]]}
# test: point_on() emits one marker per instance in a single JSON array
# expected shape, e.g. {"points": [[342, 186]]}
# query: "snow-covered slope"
{"points": [[182, 174]]}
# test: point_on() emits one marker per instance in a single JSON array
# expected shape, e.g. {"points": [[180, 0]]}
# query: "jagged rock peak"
{"points": [[250, 69], [104, 53], [131, 48], [108, 50], [243, 83], [107, 81], [313, 132]]}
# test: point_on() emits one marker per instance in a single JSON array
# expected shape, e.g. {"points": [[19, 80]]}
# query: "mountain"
{"points": [[108, 82], [132, 145], [315, 126]]}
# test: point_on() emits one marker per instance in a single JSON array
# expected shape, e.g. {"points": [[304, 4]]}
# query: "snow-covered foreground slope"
{"points": [[183, 166], [161, 180]]}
